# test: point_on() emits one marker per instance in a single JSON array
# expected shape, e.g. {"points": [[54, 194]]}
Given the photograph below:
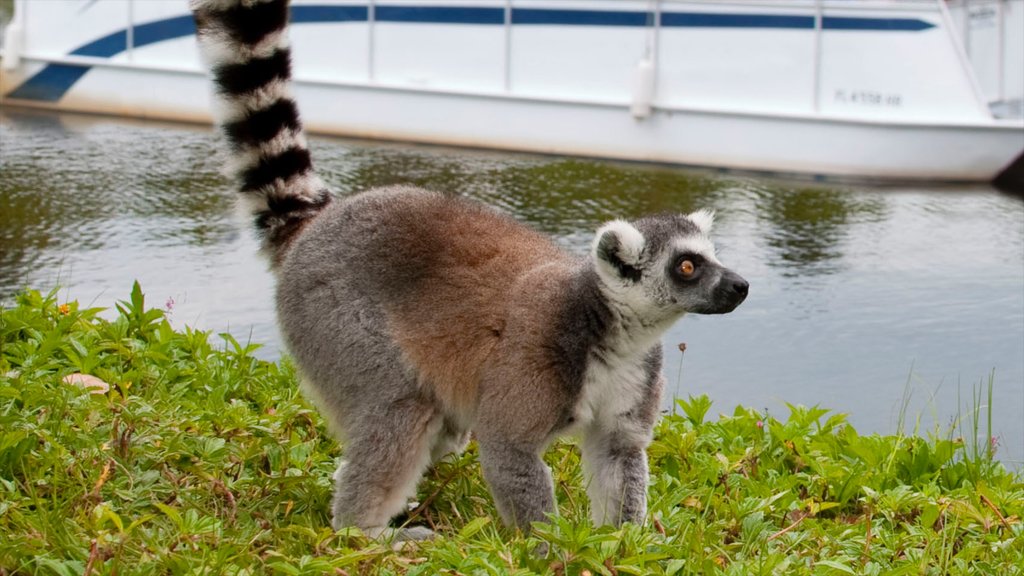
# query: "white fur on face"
{"points": [[700, 245]]}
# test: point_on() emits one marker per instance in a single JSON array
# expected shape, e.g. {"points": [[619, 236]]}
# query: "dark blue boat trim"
{"points": [[783, 21], [875, 24], [535, 16], [439, 14], [318, 14], [49, 84], [705, 20], [52, 82]]}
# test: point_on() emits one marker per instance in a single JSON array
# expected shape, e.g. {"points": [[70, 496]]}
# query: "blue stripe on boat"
{"points": [[529, 16], [53, 81], [106, 46], [318, 13], [153, 32], [49, 84], [439, 14], [876, 24], [707, 20]]}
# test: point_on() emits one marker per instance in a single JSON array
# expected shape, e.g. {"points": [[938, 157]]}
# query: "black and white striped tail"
{"points": [[245, 44]]}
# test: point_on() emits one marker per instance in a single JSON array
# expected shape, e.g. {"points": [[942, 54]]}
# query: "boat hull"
{"points": [[833, 147]]}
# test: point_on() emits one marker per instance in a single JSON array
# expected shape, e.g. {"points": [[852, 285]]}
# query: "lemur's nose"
{"points": [[740, 286]]}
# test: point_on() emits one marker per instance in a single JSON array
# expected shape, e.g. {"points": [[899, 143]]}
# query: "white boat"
{"points": [[863, 89]]}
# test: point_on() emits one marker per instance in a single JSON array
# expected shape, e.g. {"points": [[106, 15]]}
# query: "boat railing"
{"points": [[964, 59], [966, 32], [991, 34]]}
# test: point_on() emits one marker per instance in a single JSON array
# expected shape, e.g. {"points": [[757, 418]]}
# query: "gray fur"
{"points": [[416, 317]]}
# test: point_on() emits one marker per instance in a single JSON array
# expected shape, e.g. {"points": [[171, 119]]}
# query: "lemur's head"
{"points": [[665, 266]]}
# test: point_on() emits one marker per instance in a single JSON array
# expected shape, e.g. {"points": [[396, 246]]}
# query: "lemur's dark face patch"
{"points": [[687, 268], [729, 292]]}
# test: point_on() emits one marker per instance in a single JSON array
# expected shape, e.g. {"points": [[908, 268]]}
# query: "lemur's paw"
{"points": [[415, 533]]}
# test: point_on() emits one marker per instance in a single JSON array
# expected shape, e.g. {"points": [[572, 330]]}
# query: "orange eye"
{"points": [[686, 268]]}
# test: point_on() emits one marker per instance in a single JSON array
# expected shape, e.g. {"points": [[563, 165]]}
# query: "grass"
{"points": [[201, 459]]}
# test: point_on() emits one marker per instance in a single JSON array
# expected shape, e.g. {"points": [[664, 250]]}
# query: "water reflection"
{"points": [[851, 286], [808, 226], [568, 198], [65, 186]]}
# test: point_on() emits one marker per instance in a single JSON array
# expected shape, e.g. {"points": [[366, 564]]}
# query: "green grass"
{"points": [[203, 459]]}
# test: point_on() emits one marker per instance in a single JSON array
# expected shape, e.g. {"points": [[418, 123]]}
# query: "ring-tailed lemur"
{"points": [[417, 317]]}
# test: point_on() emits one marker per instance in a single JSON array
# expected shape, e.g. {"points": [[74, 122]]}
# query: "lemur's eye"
{"points": [[686, 268]]}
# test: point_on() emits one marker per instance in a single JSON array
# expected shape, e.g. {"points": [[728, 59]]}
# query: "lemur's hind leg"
{"points": [[387, 451], [520, 482]]}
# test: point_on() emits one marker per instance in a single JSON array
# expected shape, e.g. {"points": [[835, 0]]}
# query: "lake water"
{"points": [[858, 294]]}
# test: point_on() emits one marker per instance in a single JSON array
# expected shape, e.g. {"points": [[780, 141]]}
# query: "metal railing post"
{"points": [[817, 56], [966, 40], [371, 19], [508, 46], [656, 57], [130, 32], [1001, 54]]}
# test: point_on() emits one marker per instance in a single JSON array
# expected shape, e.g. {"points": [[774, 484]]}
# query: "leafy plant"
{"points": [[202, 458]]}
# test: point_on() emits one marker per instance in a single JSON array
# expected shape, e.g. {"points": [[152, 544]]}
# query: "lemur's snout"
{"points": [[731, 291], [737, 284]]}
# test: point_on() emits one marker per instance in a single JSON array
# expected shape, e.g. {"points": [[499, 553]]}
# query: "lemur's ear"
{"points": [[618, 246], [704, 219]]}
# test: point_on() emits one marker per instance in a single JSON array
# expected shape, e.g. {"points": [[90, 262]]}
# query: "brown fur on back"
{"points": [[466, 261]]}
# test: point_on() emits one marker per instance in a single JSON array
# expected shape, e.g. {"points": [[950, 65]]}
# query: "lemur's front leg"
{"points": [[615, 463], [614, 451]]}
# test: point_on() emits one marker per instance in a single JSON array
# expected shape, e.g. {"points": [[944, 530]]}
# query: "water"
{"points": [[855, 291]]}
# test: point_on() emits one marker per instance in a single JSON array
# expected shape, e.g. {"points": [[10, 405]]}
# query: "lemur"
{"points": [[416, 318]]}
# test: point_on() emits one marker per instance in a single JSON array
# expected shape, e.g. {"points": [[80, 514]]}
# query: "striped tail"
{"points": [[245, 44]]}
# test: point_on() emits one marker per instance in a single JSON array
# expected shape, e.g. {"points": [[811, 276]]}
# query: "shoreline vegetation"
{"points": [[183, 453]]}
